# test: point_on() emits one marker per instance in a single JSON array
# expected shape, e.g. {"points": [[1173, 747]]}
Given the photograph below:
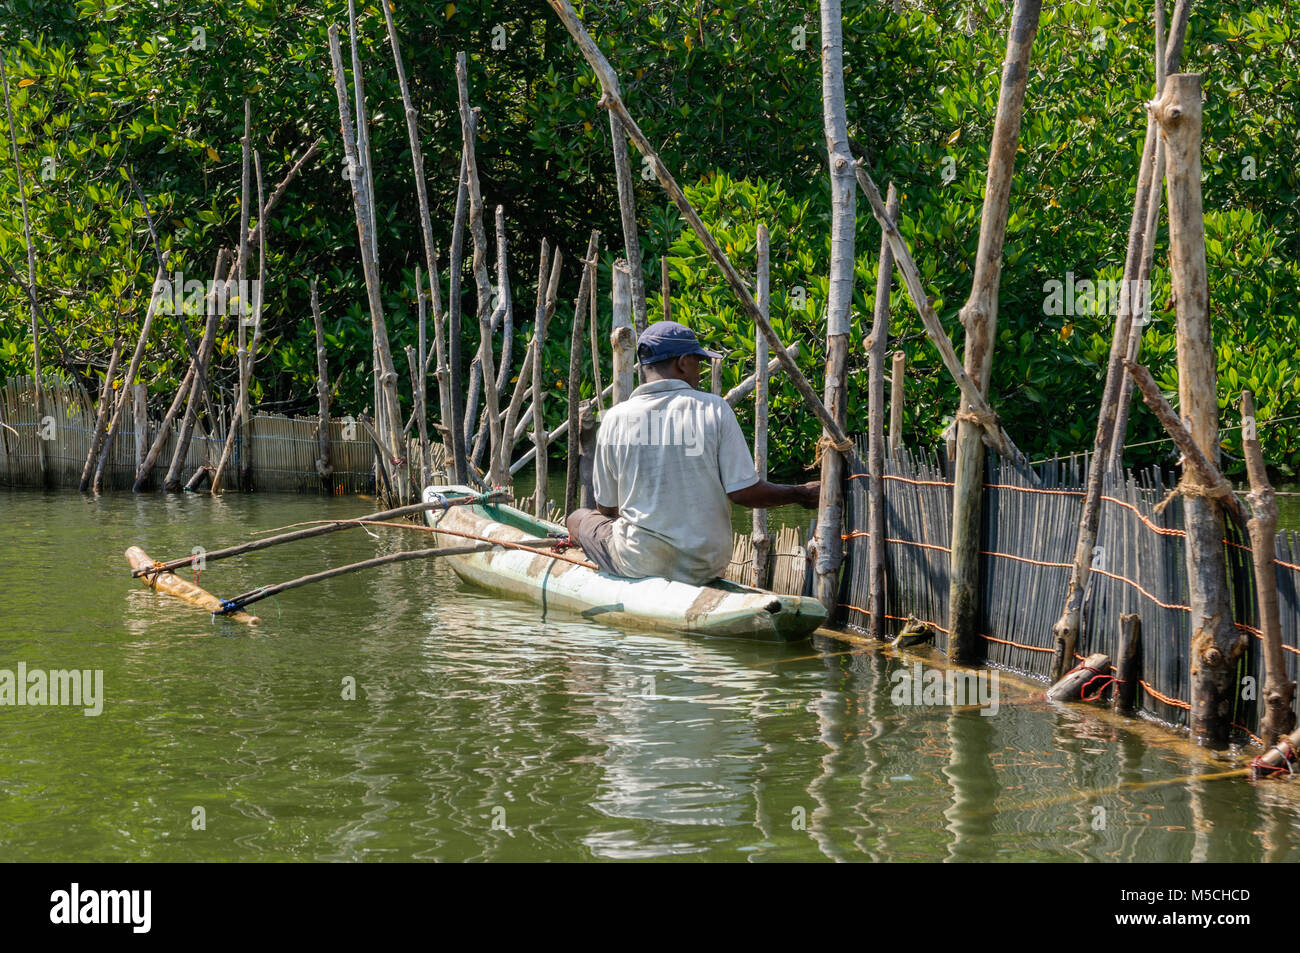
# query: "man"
{"points": [[667, 461]]}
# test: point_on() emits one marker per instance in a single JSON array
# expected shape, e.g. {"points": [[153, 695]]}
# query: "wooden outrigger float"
{"points": [[561, 581], [161, 579]]}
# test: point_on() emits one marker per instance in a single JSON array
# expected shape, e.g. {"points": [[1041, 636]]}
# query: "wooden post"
{"points": [[876, 344], [140, 419], [715, 376], [594, 321], [1215, 646], [460, 463], [665, 291], [622, 338], [198, 386], [323, 465], [896, 397], [539, 397], [1167, 59], [830, 512], [101, 412], [762, 542], [364, 212], [587, 451], [980, 316], [1129, 670], [483, 285], [129, 379], [572, 476], [426, 232], [42, 451], [522, 385], [1104, 451], [1279, 691], [627, 211]]}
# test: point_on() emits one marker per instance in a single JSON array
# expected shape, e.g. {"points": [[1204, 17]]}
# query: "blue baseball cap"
{"points": [[668, 339]]}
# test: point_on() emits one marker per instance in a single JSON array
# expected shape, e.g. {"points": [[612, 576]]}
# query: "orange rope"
{"points": [[1163, 605], [1256, 738], [1165, 698], [1019, 645]]}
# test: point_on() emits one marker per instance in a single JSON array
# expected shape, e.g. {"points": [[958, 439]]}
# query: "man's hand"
{"points": [[764, 494]]}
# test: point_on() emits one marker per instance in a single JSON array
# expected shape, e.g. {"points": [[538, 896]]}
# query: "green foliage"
{"points": [[729, 92]]}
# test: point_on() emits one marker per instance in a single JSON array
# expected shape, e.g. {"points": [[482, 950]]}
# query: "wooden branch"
{"points": [[876, 346], [323, 465], [101, 412], [572, 485], [759, 538], [747, 386], [622, 337]]}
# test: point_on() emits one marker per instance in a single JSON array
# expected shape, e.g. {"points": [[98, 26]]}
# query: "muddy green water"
{"points": [[480, 731]]}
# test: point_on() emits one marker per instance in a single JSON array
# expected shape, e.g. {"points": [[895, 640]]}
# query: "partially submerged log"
{"points": [[166, 581], [1072, 685]]}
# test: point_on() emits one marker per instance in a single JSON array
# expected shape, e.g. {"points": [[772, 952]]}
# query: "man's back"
{"points": [[667, 458]]}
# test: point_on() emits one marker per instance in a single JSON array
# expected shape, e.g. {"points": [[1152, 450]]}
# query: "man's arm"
{"points": [[764, 494]]}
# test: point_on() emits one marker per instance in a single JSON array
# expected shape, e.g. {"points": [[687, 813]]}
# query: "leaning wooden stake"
{"points": [[101, 412], [665, 291], [622, 337], [539, 399], [1215, 645], [572, 481], [980, 317], [612, 100], [456, 404], [761, 541], [129, 379], [1279, 691], [324, 466], [1131, 303], [876, 345]]}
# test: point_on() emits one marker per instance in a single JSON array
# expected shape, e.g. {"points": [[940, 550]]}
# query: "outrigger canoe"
{"points": [[722, 608]]}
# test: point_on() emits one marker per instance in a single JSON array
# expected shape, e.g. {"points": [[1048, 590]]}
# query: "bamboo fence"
{"points": [[1026, 551], [284, 449]]}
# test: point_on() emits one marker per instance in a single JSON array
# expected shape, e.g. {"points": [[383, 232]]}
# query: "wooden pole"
{"points": [[896, 397], [503, 312], [197, 390], [42, 451], [622, 337], [324, 467], [715, 377], [544, 311], [523, 384], [748, 385], [132, 369], [612, 101], [572, 477], [140, 419], [627, 211], [761, 541], [876, 345], [1215, 646], [830, 511], [106, 394], [422, 380], [363, 210], [460, 462], [1131, 300], [426, 227], [1168, 56], [594, 321], [665, 291], [483, 285], [1278, 719], [980, 315], [1129, 670]]}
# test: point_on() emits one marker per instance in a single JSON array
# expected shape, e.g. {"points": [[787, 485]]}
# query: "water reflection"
{"points": [[477, 731]]}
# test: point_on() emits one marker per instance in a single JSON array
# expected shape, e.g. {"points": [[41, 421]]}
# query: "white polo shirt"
{"points": [[667, 457]]}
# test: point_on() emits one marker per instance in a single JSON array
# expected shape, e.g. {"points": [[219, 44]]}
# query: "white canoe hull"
{"points": [[723, 609]]}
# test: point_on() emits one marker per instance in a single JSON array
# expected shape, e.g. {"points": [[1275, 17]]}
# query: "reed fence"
{"points": [[1026, 549], [283, 449]]}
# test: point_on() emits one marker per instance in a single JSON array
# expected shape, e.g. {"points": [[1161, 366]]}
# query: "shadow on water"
{"points": [[401, 715]]}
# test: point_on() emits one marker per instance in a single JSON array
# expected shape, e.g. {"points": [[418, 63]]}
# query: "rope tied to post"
{"points": [[827, 442], [1259, 768], [986, 418]]}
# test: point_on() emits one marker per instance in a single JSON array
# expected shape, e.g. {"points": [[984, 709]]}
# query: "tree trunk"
{"points": [[876, 345], [622, 338], [323, 465], [1215, 647], [762, 542], [627, 211], [980, 317], [572, 478], [896, 398], [1279, 691]]}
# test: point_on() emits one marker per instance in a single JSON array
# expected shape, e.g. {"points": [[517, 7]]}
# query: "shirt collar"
{"points": [[660, 387]]}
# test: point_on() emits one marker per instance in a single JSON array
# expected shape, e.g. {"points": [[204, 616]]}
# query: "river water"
{"points": [[480, 731]]}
